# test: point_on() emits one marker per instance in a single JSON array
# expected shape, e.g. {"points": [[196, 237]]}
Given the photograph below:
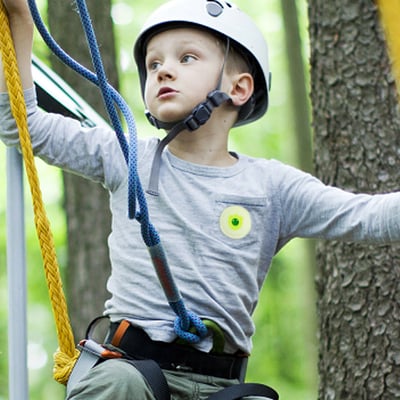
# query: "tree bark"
{"points": [[357, 125], [86, 203]]}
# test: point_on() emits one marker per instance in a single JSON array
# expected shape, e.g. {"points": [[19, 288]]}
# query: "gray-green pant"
{"points": [[119, 380]]}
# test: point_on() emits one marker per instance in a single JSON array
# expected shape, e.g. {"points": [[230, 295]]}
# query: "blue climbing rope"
{"points": [[186, 321]]}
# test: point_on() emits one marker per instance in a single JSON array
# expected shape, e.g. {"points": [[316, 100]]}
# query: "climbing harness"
{"points": [[150, 357]]}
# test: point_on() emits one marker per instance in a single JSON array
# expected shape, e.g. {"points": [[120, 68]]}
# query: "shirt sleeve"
{"points": [[93, 153], [313, 210]]}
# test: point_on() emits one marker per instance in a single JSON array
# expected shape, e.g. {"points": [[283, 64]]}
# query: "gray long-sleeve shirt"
{"points": [[220, 226]]}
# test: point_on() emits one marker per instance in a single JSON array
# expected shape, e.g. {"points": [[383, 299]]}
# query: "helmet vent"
{"points": [[214, 8]]}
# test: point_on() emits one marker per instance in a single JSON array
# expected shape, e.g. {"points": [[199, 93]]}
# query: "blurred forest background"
{"points": [[285, 344]]}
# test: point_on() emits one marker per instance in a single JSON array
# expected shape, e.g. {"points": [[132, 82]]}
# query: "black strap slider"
{"points": [[202, 112], [217, 97], [200, 115]]}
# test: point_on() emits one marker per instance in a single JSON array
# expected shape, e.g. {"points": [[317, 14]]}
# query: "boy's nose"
{"points": [[166, 71]]}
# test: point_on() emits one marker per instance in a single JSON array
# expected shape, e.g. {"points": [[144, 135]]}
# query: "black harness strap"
{"points": [[137, 345], [245, 389], [154, 377]]}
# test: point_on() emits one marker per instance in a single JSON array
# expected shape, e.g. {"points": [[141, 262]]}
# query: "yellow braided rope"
{"points": [[67, 353], [389, 11]]}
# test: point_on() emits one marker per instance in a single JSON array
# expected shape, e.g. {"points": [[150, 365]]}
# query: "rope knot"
{"points": [[63, 365]]}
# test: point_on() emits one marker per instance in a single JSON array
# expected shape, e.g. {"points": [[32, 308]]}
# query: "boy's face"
{"points": [[182, 65]]}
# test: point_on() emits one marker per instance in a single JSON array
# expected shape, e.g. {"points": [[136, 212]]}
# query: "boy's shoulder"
{"points": [[277, 172], [270, 164]]}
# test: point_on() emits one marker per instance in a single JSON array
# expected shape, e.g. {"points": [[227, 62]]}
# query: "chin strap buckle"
{"points": [[202, 112]]}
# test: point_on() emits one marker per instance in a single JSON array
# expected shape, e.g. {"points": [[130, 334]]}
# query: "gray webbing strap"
{"points": [[87, 360]]}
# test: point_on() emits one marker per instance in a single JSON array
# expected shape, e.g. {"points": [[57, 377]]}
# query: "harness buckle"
{"points": [[102, 351]]}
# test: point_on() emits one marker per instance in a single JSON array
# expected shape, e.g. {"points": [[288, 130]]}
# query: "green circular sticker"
{"points": [[235, 222]]}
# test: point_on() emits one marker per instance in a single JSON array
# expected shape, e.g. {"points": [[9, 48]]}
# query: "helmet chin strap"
{"points": [[198, 117]]}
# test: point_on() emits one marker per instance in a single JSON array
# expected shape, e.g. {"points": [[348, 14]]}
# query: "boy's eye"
{"points": [[153, 66], [187, 58]]}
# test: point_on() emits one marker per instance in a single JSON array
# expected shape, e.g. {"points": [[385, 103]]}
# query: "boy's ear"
{"points": [[242, 89]]}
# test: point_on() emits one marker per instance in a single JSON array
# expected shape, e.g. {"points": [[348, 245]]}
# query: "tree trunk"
{"points": [[86, 203], [357, 124]]}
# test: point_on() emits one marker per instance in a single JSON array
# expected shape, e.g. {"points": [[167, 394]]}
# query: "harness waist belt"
{"points": [[172, 356]]}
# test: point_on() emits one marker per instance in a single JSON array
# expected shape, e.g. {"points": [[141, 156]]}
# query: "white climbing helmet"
{"points": [[225, 19]]}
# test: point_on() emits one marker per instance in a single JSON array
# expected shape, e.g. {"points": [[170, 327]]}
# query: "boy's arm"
{"points": [[21, 26]]}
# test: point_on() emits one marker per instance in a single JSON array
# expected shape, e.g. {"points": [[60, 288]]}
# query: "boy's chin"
{"points": [[173, 117]]}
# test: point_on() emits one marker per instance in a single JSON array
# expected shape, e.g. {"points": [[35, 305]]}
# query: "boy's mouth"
{"points": [[165, 91]]}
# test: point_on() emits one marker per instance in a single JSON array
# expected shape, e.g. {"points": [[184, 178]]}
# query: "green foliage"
{"points": [[284, 354]]}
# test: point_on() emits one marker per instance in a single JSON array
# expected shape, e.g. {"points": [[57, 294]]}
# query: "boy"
{"points": [[222, 216]]}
